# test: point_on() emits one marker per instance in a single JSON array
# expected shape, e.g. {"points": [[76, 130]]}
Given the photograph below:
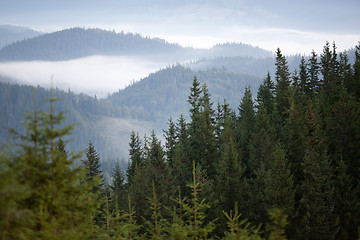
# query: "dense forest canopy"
{"points": [[282, 164]]}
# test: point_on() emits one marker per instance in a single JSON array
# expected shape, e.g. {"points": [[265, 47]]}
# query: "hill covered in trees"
{"points": [[145, 105], [283, 165], [10, 34], [79, 42]]}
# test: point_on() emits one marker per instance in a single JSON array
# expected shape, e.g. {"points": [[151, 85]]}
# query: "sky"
{"points": [[294, 26]]}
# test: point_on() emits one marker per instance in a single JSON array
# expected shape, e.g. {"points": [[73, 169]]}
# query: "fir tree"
{"points": [[135, 156], [246, 127], [279, 183], [48, 199], [265, 94], [93, 167], [206, 129], [317, 203], [170, 138], [118, 188], [314, 84], [231, 182]]}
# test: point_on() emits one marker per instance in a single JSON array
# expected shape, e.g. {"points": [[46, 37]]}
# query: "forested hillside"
{"points": [[145, 105], [79, 42], [164, 93], [283, 164], [10, 34]]}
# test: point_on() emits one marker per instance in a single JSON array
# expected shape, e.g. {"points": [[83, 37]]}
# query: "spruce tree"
{"points": [[51, 201], [246, 127], [181, 170], [208, 142], [194, 135], [118, 188], [279, 183], [265, 94], [304, 78], [282, 103], [170, 144], [93, 167], [135, 156], [314, 83], [231, 180], [317, 202]]}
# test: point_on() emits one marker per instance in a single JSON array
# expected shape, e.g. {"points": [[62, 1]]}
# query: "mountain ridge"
{"points": [[79, 42]]}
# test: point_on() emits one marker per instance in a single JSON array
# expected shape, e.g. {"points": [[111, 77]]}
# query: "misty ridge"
{"points": [[99, 62]]}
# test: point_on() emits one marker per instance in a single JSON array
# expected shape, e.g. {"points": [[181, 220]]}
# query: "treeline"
{"points": [[79, 42], [288, 162], [295, 149]]}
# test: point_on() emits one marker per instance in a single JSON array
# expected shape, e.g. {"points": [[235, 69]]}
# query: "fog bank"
{"points": [[98, 75]]}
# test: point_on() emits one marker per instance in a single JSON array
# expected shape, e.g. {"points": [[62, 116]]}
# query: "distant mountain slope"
{"points": [[165, 92], [79, 42], [244, 64], [238, 49], [10, 34], [143, 106]]}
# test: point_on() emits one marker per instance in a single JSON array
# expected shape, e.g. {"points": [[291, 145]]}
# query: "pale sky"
{"points": [[294, 26]]}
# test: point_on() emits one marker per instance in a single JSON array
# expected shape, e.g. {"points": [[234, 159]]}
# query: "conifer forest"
{"points": [[284, 164]]}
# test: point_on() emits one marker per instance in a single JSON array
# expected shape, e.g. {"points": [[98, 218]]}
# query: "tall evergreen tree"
{"points": [[93, 167], [208, 142], [353, 84], [282, 104], [135, 156], [317, 203], [194, 138], [181, 170], [170, 144], [231, 179], [314, 83], [304, 78], [246, 126], [47, 199], [279, 183], [119, 194], [265, 94], [262, 141]]}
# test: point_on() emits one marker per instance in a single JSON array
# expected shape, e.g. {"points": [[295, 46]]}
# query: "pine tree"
{"points": [[262, 140], [353, 84], [317, 202], [246, 127], [118, 189], [170, 138], [206, 129], [347, 201], [93, 167], [135, 156], [181, 170], [231, 180], [282, 103], [314, 83], [304, 78], [279, 183], [48, 199], [265, 94], [194, 135]]}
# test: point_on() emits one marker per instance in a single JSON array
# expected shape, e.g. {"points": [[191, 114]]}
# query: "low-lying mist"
{"points": [[92, 75]]}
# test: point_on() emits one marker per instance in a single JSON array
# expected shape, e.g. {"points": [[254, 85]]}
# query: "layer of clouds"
{"points": [[98, 75]]}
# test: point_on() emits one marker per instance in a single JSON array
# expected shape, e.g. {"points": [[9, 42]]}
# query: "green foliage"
{"points": [[53, 202], [292, 166], [277, 228]]}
